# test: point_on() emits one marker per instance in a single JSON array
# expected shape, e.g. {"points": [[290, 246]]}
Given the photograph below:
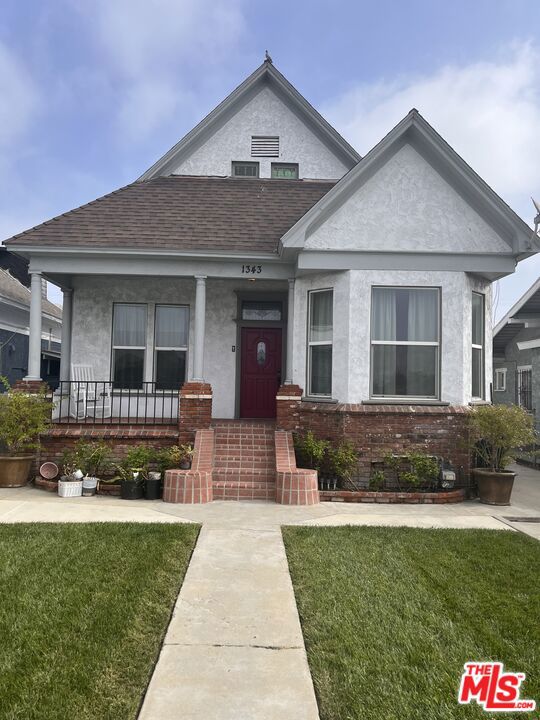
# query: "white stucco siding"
{"points": [[406, 205], [265, 114], [351, 376]]}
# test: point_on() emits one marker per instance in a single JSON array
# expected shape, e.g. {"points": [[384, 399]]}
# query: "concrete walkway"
{"points": [[234, 648]]}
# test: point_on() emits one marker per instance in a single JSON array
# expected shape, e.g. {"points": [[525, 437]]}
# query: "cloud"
{"points": [[152, 51], [488, 111], [19, 98]]}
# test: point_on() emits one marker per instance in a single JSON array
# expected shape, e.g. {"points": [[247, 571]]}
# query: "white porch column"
{"points": [[200, 315], [290, 333], [65, 350], [34, 342]]}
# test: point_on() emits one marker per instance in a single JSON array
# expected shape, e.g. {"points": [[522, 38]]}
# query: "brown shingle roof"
{"points": [[184, 213]]}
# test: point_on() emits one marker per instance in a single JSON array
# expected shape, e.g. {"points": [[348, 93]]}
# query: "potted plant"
{"points": [[496, 431], [133, 471], [95, 459], [311, 453], [23, 417], [70, 482]]}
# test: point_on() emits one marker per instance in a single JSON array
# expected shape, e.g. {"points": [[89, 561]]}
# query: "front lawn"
{"points": [[83, 611], [390, 615]]}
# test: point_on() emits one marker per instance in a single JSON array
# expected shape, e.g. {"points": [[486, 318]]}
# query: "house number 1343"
{"points": [[251, 269]]}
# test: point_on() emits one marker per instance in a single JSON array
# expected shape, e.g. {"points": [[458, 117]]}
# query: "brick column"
{"points": [[288, 401], [194, 410], [33, 387]]}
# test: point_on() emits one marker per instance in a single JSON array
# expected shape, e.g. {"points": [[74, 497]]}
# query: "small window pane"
{"points": [[477, 373], [128, 369], [171, 326], [321, 369], [269, 311], [477, 319], [405, 370], [284, 172], [129, 326], [245, 169], [321, 316], [261, 353], [170, 369]]}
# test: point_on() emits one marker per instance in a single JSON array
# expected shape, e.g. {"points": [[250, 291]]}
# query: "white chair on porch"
{"points": [[89, 396]]}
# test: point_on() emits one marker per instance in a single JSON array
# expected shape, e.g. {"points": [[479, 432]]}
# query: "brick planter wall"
{"points": [[194, 410], [120, 438], [376, 430], [193, 485], [405, 498], [294, 486]]}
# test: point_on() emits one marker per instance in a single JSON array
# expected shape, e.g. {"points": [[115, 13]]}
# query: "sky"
{"points": [[92, 92]]}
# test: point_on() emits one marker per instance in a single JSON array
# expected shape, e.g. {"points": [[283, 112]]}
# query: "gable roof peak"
{"points": [[266, 74]]}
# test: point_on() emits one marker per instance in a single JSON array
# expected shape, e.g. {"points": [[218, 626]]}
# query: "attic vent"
{"points": [[264, 146]]}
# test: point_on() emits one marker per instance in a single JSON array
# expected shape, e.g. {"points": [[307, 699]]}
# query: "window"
{"points": [[129, 344], [170, 346], [405, 342], [524, 387], [500, 379], [264, 146], [261, 310], [285, 171], [245, 169], [320, 331], [477, 346]]}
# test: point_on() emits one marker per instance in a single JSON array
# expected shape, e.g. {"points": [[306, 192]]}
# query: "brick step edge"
{"points": [[405, 498], [257, 484]]}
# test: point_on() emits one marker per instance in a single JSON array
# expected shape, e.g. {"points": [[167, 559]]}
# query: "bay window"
{"points": [[129, 345], [405, 342], [170, 346], [477, 346], [320, 334]]}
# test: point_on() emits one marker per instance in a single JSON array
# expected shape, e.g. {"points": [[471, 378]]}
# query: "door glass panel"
{"points": [[261, 353]]}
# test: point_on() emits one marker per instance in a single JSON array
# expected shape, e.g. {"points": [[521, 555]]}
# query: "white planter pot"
{"points": [[70, 488], [89, 485]]}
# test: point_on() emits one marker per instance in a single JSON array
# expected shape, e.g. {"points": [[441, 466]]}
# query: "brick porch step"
{"points": [[244, 460]]}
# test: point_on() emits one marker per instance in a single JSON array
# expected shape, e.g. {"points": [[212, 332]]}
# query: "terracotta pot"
{"points": [[15, 469], [494, 488]]}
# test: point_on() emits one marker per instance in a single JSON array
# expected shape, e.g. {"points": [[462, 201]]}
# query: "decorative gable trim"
{"points": [[265, 75]]}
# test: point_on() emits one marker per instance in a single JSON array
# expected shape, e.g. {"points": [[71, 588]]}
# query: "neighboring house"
{"points": [[263, 250], [516, 353], [14, 327]]}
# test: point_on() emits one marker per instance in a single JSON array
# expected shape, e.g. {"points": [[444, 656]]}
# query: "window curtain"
{"points": [[384, 314], [171, 326], [129, 327], [321, 317], [423, 316]]}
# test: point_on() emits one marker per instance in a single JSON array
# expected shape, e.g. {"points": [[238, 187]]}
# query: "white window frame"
{"points": [[314, 343], [499, 384], [157, 348], [475, 346], [128, 347], [437, 344]]}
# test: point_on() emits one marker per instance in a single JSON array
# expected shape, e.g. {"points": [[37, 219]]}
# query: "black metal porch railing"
{"points": [[96, 402]]}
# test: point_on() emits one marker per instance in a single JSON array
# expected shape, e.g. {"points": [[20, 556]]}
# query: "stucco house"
{"points": [[516, 354], [262, 257]]}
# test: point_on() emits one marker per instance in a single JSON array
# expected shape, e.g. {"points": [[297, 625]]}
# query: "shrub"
{"points": [[90, 457], [496, 431], [311, 452], [23, 417]]}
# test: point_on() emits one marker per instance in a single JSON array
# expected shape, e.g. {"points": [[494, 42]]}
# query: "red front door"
{"points": [[260, 372]]}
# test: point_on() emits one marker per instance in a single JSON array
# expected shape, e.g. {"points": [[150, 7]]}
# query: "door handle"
{"points": [[279, 376]]}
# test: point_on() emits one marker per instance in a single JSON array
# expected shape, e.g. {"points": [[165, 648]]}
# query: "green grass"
{"points": [[390, 615], [83, 612]]}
